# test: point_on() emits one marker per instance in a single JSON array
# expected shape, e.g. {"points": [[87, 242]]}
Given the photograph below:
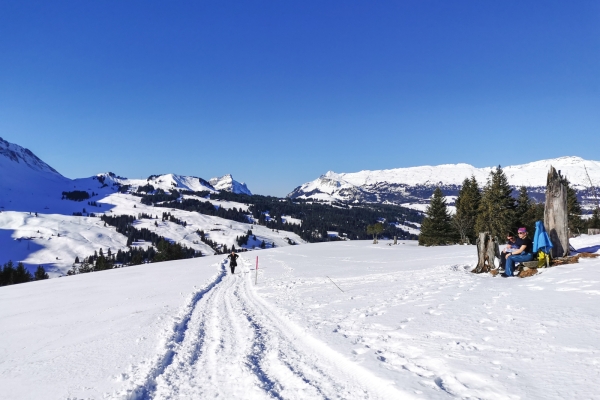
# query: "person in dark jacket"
{"points": [[232, 263], [522, 254]]}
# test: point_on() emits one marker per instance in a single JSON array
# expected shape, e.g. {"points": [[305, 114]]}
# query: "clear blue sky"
{"points": [[279, 92]]}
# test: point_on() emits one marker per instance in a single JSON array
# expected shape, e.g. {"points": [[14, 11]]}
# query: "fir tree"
{"points": [[496, 213], [7, 274], [576, 224], [40, 274], [525, 211], [102, 263], [467, 204], [437, 229], [137, 258], [594, 222], [22, 275]]}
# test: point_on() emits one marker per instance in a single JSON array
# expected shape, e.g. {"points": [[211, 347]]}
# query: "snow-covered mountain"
{"points": [[29, 184], [227, 183], [412, 184], [40, 226]]}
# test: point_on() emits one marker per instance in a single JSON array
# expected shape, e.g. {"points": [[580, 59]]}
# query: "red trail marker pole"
{"points": [[256, 278]]}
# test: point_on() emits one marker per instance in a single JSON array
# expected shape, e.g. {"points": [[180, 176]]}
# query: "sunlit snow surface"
{"points": [[411, 321]]}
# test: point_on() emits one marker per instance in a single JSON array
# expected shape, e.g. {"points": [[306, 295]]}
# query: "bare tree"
{"points": [[463, 223]]}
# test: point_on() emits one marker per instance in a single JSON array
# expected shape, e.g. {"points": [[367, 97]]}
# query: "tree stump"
{"points": [[556, 216], [487, 250]]}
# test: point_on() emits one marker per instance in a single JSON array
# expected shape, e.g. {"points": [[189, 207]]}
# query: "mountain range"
{"points": [[29, 184], [416, 184]]}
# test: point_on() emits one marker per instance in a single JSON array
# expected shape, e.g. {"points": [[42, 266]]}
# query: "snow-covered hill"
{"points": [[38, 225], [417, 183], [406, 322]]}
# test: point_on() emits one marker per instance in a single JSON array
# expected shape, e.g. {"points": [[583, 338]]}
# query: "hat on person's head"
{"points": [[522, 230]]}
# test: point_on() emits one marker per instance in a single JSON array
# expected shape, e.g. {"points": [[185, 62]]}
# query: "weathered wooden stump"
{"points": [[556, 216], [487, 250]]}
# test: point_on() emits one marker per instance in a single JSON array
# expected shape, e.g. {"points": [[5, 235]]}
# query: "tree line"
{"points": [[11, 275]]}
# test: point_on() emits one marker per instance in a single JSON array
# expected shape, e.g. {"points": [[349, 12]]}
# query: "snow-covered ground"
{"points": [[331, 320]]}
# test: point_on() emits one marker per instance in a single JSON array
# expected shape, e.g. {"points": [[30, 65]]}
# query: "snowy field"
{"points": [[405, 322]]}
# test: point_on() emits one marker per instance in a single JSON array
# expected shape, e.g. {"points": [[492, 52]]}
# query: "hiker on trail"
{"points": [[522, 254], [511, 245], [232, 263]]}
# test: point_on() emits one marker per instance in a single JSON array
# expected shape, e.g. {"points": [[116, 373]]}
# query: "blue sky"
{"points": [[279, 92]]}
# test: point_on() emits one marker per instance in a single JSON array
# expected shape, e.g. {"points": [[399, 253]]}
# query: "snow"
{"points": [[423, 207], [405, 321], [407, 228], [287, 219]]}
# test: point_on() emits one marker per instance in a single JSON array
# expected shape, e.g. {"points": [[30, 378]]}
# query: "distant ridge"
{"points": [[29, 184], [416, 183]]}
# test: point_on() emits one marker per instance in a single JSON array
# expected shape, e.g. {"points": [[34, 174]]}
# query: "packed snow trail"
{"points": [[233, 345]]}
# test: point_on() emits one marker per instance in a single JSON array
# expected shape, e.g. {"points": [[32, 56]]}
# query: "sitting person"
{"points": [[523, 253], [511, 245]]}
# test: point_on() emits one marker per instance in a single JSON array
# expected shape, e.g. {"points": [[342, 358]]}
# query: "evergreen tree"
{"points": [[137, 258], [525, 212], [594, 222], [437, 229], [467, 204], [21, 274], [7, 274], [40, 273], [102, 263], [576, 224], [496, 213]]}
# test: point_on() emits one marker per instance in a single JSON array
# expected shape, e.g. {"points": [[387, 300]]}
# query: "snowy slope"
{"points": [[55, 237], [35, 241], [418, 182], [227, 183], [410, 322]]}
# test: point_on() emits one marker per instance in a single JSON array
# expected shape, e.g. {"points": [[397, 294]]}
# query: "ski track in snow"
{"points": [[229, 343]]}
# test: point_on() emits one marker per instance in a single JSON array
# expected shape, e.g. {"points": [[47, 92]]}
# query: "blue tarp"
{"points": [[541, 240]]}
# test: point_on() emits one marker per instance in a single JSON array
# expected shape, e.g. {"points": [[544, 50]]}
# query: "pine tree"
{"points": [[40, 273], [467, 204], [21, 274], [496, 213], [7, 274], [576, 224], [594, 222], [524, 211], [437, 229]]}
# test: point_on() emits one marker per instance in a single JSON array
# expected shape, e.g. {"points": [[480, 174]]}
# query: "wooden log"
{"points": [[487, 250], [530, 264], [556, 216]]}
